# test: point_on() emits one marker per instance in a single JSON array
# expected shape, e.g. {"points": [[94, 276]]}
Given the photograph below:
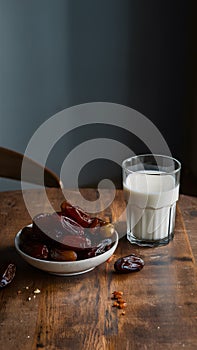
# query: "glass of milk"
{"points": [[151, 190]]}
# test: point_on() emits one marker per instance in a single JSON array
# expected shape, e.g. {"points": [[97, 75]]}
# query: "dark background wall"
{"points": [[56, 54]]}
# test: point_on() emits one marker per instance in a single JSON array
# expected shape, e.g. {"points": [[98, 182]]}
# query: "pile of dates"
{"points": [[68, 235]]}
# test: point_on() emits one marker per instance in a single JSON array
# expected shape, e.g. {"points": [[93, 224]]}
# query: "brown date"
{"points": [[71, 226], [100, 248], [76, 243], [76, 213], [129, 263], [29, 234], [107, 230], [56, 227], [68, 235], [7, 273], [103, 246], [62, 255], [46, 226], [35, 249]]}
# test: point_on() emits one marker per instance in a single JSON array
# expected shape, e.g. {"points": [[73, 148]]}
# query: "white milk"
{"points": [[151, 205]]}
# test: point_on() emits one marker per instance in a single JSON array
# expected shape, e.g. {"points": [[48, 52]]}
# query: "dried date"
{"points": [[76, 243], [107, 230], [46, 227], [7, 273], [71, 226], [29, 234], [131, 263], [67, 235], [77, 214], [35, 249], [62, 255], [100, 248], [103, 246], [56, 226]]}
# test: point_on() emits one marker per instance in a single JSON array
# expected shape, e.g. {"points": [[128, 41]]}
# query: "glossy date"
{"points": [[35, 249], [7, 273], [55, 227], [62, 255], [77, 214], [131, 263], [68, 235]]}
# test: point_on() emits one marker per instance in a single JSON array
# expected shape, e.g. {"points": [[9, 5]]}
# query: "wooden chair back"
{"points": [[11, 164]]}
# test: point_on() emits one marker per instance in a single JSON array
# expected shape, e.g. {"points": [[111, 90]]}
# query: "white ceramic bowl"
{"points": [[67, 268]]}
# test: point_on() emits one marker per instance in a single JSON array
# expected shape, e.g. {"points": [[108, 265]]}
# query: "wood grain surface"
{"points": [[76, 312]]}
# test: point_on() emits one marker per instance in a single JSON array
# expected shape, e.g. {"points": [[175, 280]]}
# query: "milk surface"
{"points": [[151, 204]]}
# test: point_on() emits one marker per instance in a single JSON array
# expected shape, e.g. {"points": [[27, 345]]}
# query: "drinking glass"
{"points": [[151, 190]]}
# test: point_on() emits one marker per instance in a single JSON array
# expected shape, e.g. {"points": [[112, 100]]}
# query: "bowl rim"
{"points": [[94, 258]]}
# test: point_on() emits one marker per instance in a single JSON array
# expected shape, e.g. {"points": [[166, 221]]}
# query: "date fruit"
{"points": [[103, 246], [55, 226], [76, 243], [35, 249], [7, 273], [48, 225], [62, 255], [76, 213], [107, 230], [97, 222], [28, 234], [71, 226], [67, 235], [130, 263]]}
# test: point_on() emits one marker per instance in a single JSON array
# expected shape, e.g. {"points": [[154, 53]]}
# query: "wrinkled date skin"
{"points": [[67, 235], [56, 226], [76, 243], [101, 247], [31, 234], [7, 273], [71, 226], [77, 214], [35, 249], [131, 263], [62, 255]]}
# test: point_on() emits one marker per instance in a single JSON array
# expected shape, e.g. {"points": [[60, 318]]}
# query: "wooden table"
{"points": [[76, 312]]}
